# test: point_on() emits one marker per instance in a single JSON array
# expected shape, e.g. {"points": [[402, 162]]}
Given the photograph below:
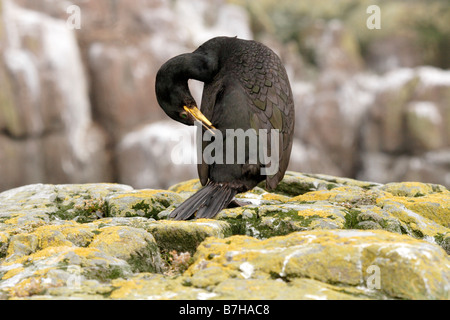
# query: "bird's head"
{"points": [[174, 96]]}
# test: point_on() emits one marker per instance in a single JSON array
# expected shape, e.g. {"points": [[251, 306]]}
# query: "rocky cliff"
{"points": [[314, 237], [71, 98], [78, 105]]}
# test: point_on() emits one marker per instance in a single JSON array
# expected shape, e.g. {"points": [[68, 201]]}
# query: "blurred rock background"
{"points": [[79, 105]]}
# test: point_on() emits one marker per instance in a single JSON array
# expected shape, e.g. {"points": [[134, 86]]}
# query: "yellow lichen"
{"points": [[108, 235], [11, 273], [187, 186], [412, 189], [309, 212], [275, 197], [344, 256], [25, 222], [69, 234], [146, 193], [435, 207], [26, 288], [20, 242], [351, 194], [231, 212], [125, 288], [15, 219], [4, 237], [345, 193], [313, 196], [55, 253], [50, 236]]}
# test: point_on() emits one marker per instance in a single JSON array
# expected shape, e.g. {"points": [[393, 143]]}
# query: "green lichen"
{"points": [[106, 275], [63, 211], [144, 207], [267, 227], [443, 240], [4, 241], [351, 219], [142, 203], [72, 207], [145, 261], [277, 222]]}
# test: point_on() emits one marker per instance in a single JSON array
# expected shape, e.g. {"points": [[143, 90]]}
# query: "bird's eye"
{"points": [[183, 115]]}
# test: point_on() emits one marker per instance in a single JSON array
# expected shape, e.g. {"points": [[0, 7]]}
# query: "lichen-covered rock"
{"points": [[185, 236], [417, 209], [59, 266], [434, 206], [156, 287], [136, 246], [81, 203], [295, 183], [142, 203], [297, 289], [408, 268], [314, 237], [188, 187]]}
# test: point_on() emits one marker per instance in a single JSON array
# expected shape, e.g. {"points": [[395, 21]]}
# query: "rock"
{"points": [[45, 115], [338, 49], [122, 76], [396, 97], [156, 287], [407, 116], [164, 146], [58, 267], [136, 246], [186, 188], [186, 236], [424, 125], [144, 203], [295, 183], [315, 237], [325, 202], [411, 269], [49, 202]]}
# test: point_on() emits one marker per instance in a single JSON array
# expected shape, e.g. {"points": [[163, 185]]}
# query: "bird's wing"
{"points": [[272, 102]]}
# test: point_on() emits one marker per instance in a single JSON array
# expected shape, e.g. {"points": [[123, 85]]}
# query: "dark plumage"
{"points": [[245, 87]]}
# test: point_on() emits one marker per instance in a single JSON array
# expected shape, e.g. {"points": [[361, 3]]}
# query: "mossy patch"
{"points": [[86, 211], [443, 240], [351, 219], [185, 236], [142, 203], [294, 184], [248, 221], [267, 221]]}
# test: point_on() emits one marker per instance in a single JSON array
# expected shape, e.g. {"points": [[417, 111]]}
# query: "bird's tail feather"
{"points": [[205, 203]]}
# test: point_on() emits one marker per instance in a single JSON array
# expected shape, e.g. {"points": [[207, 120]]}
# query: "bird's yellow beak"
{"points": [[196, 113]]}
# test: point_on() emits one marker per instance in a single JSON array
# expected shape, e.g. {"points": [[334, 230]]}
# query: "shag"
{"points": [[245, 87]]}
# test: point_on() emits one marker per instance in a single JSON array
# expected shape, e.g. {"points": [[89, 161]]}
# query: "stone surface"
{"points": [[314, 237], [411, 269]]}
